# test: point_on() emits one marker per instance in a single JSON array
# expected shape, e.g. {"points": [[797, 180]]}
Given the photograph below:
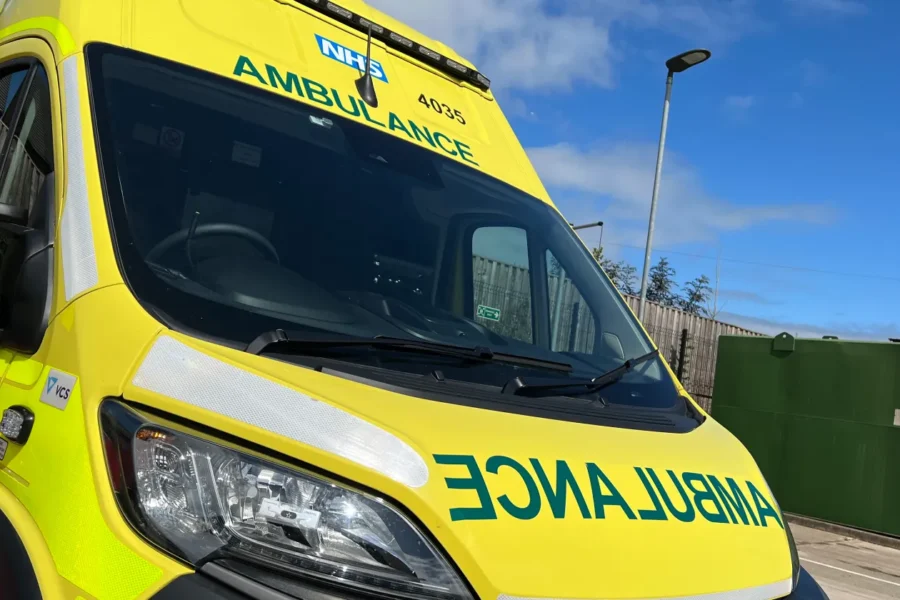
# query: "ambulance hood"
{"points": [[525, 507]]}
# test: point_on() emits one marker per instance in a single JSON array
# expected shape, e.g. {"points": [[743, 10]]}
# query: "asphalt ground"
{"points": [[848, 568]]}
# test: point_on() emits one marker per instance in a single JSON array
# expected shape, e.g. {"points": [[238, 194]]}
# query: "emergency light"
{"points": [[400, 43]]}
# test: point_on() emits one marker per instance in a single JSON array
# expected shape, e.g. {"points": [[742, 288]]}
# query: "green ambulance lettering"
{"points": [[687, 515], [395, 123], [657, 514], [365, 109], [601, 500], [289, 83], [354, 111], [314, 91], [763, 507], [530, 510], [475, 482], [703, 495], [465, 152], [317, 92], [557, 496], [735, 499], [437, 138], [245, 66], [422, 135]]}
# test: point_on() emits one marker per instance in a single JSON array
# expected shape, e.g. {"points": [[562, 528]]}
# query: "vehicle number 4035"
{"points": [[442, 109]]}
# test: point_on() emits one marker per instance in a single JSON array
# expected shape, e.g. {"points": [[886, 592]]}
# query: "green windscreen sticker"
{"points": [[486, 312]]}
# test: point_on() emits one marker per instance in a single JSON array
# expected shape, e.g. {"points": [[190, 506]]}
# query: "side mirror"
{"points": [[613, 345], [26, 283]]}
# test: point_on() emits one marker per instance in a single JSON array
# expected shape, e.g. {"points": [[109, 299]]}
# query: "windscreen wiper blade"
{"points": [[286, 342], [570, 387]]}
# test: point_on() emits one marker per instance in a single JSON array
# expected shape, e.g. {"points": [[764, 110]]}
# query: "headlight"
{"points": [[202, 500], [795, 557], [792, 545]]}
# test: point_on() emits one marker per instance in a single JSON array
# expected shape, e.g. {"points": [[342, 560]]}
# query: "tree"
{"points": [[662, 287], [622, 274], [696, 296]]}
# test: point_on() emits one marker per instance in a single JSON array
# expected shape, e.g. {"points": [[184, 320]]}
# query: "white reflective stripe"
{"points": [[178, 371], [78, 259], [763, 592]]}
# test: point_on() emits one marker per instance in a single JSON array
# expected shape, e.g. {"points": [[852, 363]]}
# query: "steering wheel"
{"points": [[213, 229]]}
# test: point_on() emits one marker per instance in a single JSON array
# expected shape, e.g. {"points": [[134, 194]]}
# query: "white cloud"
{"points": [[811, 73], [841, 7], [620, 178], [740, 103], [547, 45], [747, 296], [515, 42]]}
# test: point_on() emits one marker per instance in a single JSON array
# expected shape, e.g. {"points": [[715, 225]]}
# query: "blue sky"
{"points": [[781, 153]]}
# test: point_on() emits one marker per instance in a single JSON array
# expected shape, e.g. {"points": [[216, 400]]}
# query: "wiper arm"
{"points": [[279, 340], [544, 388]]}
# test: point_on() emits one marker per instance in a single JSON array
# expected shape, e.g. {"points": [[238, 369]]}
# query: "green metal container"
{"points": [[822, 420]]}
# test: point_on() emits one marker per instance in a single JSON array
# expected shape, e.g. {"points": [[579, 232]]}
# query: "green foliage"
{"points": [[622, 274], [662, 287], [696, 296]]}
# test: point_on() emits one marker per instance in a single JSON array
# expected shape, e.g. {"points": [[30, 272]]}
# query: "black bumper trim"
{"points": [[218, 583], [198, 587], [807, 588]]}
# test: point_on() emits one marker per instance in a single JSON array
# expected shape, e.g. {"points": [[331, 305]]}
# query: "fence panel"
{"points": [[689, 342], [701, 352]]}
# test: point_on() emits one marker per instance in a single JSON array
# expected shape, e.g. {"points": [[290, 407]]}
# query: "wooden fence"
{"points": [[689, 342]]}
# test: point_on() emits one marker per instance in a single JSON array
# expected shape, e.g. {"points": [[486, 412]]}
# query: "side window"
{"points": [[29, 158], [26, 227], [11, 92], [10, 96], [502, 281], [572, 324]]}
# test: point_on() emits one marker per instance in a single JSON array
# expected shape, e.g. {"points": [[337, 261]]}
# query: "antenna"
{"points": [[365, 85]]}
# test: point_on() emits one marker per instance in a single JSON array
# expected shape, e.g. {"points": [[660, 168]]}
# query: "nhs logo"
{"points": [[349, 57]]}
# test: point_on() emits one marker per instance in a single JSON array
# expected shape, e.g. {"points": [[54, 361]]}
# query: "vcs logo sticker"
{"points": [[57, 389]]}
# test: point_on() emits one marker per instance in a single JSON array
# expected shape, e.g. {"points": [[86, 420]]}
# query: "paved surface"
{"points": [[847, 568]]}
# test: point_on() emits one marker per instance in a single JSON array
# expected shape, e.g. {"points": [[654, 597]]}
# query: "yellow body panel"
{"points": [[55, 489]]}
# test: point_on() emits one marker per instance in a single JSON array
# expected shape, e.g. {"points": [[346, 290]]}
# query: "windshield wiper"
{"points": [[287, 342], [573, 387]]}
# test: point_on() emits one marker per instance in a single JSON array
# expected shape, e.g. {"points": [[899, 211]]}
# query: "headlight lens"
{"points": [[792, 545], [795, 558], [202, 500]]}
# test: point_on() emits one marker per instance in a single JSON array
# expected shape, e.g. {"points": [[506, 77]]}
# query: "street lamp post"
{"points": [[676, 64]]}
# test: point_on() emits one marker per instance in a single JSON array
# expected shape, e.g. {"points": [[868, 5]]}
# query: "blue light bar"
{"points": [[400, 43]]}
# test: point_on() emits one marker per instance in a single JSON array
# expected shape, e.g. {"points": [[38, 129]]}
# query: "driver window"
{"points": [[502, 281], [29, 158], [572, 324]]}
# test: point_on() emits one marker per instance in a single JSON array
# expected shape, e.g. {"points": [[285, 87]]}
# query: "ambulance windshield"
{"points": [[236, 211]]}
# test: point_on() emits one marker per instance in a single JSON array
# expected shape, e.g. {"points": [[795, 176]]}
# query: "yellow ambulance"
{"points": [[285, 312]]}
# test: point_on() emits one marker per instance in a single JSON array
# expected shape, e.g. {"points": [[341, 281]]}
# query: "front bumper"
{"points": [[807, 588], [217, 583]]}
